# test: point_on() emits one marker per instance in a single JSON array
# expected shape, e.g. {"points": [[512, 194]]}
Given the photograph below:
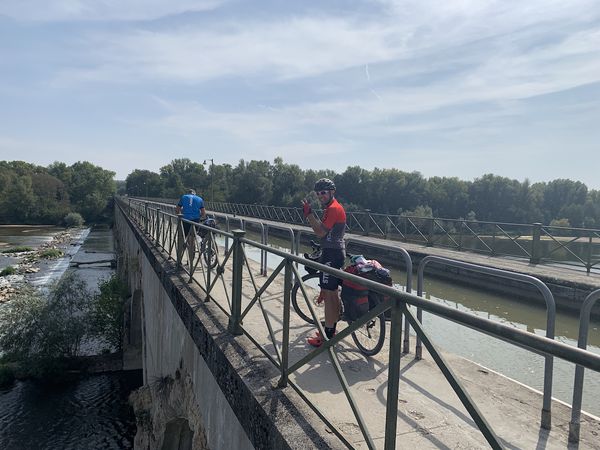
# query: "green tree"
{"points": [[288, 184], [181, 174], [107, 312], [253, 182], [144, 183], [52, 198], [172, 184], [592, 210], [353, 186], [121, 187], [61, 171], [90, 189], [222, 182], [494, 198], [18, 201], [448, 197], [311, 176], [394, 191], [42, 332], [560, 194]]}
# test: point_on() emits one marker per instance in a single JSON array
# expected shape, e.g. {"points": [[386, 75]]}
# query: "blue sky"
{"points": [[448, 88]]}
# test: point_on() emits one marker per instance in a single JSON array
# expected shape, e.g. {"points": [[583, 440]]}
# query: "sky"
{"points": [[447, 88]]}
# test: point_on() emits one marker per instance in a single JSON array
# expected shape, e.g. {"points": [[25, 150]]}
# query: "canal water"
{"points": [[90, 412], [512, 361]]}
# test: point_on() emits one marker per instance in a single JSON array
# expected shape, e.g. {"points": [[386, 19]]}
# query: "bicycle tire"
{"points": [[303, 311], [211, 262], [370, 337]]}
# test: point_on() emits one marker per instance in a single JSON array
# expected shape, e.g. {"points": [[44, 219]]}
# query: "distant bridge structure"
{"points": [[537, 243]]}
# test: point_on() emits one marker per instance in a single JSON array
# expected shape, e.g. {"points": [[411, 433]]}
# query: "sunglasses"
{"points": [[322, 192]]}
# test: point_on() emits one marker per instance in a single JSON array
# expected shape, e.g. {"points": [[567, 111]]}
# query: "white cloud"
{"points": [[97, 10], [497, 44], [314, 82], [282, 50]]}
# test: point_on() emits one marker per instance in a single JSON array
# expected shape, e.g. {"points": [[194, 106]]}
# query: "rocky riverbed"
{"points": [[25, 263]]}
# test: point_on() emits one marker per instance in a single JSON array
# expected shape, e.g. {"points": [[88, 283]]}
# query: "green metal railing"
{"points": [[233, 286], [535, 242]]}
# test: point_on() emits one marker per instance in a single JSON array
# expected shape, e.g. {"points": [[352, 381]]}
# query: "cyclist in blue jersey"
{"points": [[191, 207]]}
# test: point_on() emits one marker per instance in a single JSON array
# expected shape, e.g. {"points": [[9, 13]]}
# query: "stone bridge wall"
{"points": [[203, 387]]}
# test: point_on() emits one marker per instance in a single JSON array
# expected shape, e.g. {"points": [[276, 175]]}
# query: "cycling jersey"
{"points": [[334, 219], [191, 206]]}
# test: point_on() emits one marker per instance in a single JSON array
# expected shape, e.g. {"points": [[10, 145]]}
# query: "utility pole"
{"points": [[212, 187]]}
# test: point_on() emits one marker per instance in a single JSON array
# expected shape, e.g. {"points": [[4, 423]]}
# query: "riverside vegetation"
{"points": [[41, 333], [31, 194], [490, 197]]}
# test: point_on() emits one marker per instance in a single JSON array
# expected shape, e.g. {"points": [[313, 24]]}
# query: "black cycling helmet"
{"points": [[324, 184]]}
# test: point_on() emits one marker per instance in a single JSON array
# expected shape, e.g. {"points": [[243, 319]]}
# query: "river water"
{"points": [[89, 412], [514, 362]]}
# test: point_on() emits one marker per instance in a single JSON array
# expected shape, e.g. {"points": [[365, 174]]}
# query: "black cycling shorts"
{"points": [[333, 258], [187, 226]]}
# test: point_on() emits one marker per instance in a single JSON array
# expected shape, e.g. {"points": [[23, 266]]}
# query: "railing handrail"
{"points": [[528, 279], [503, 331], [530, 341], [522, 236]]}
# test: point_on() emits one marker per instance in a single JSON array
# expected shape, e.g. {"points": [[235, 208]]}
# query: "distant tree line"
{"points": [[31, 194], [489, 198]]}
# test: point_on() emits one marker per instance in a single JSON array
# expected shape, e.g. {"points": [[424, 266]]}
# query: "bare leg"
{"points": [[332, 307]]}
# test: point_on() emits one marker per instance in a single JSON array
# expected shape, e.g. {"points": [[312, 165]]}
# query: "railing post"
{"points": [[368, 224], [146, 219], [285, 339], [431, 223], [236, 288], [158, 226], [588, 266], [388, 229], [226, 237], [209, 254], [535, 243], [180, 238], [493, 253], [584, 323], [263, 254], [391, 410], [460, 235]]}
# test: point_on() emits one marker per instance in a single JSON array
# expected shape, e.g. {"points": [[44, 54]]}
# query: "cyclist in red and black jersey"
{"points": [[330, 230]]}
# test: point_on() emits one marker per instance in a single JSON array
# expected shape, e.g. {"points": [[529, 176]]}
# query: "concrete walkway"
{"points": [[430, 414]]}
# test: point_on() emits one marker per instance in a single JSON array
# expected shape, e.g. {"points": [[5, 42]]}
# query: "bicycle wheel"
{"points": [[210, 253], [298, 301], [369, 337]]}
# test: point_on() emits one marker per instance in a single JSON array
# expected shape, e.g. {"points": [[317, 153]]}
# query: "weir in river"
{"points": [[85, 412]]}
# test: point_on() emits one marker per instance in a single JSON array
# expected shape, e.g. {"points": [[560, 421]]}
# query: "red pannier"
{"points": [[358, 299], [355, 296]]}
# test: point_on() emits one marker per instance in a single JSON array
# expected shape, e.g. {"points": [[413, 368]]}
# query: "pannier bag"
{"points": [[358, 299], [209, 222]]}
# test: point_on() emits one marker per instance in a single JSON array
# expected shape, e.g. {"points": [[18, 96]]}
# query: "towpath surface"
{"points": [[430, 414]]}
